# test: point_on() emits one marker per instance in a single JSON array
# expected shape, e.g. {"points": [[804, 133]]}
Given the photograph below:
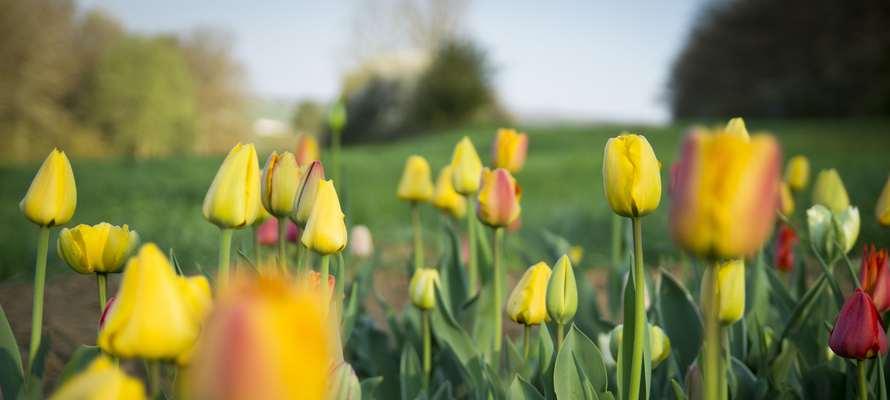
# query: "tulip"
{"points": [[337, 117], [786, 203], [576, 254], [343, 383], [882, 209], [265, 339], [422, 289], [102, 379], [874, 276], [659, 343], [833, 234], [52, 196], [527, 303], [797, 173], [498, 198], [416, 184], [311, 174], [784, 257], [858, 332], [730, 291], [307, 150], [100, 248], [445, 197], [267, 233], [325, 231], [466, 167], [157, 314], [509, 150], [736, 126], [562, 293], [231, 201], [631, 175], [281, 178], [725, 192], [361, 243], [829, 191]]}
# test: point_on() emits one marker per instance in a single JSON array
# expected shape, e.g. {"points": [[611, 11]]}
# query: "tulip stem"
{"points": [[225, 247], [472, 262], [526, 341], [860, 372], [39, 285], [711, 359], [853, 275], [282, 243], [154, 378], [256, 246], [496, 279], [427, 347], [325, 276], [639, 314], [418, 236], [102, 281], [559, 336]]}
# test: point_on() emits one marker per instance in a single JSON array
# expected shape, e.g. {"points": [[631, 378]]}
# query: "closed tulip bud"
{"points": [[281, 179], [631, 175], [52, 196], [416, 184], [736, 126], [261, 214], [498, 198], [100, 248], [509, 150], [659, 343], [730, 291], [875, 277], [311, 174], [234, 196], [337, 117], [307, 150], [725, 192], [266, 338], [797, 173], [422, 288], [786, 203], [833, 234], [102, 379], [157, 314], [361, 243], [882, 209], [576, 254], [858, 333], [785, 242], [326, 229], [344, 384], [829, 191], [527, 303], [446, 198], [466, 168], [562, 292]]}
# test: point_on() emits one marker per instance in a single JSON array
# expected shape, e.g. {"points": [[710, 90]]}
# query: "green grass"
{"points": [[562, 189]]}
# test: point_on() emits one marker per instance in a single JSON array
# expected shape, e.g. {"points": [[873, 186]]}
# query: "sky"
{"points": [[581, 60]]}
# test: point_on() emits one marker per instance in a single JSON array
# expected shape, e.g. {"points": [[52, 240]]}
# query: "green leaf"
{"points": [[444, 392], [745, 381], [350, 313], [823, 382], [80, 359], [410, 373], [680, 320], [567, 382], [453, 275], [483, 330], [369, 386], [678, 390], [882, 379], [11, 371], [784, 300], [522, 390], [801, 313], [448, 332]]}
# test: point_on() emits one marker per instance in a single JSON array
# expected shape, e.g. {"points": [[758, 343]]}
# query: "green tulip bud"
{"points": [[562, 292], [833, 234], [337, 117]]}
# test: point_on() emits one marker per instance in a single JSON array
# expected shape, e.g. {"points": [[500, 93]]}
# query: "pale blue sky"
{"points": [[579, 59]]}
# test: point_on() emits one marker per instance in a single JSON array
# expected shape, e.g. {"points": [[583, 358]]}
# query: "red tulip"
{"points": [[858, 332], [787, 239], [875, 276]]}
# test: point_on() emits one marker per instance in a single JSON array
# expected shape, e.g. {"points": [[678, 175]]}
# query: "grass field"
{"points": [[562, 188]]}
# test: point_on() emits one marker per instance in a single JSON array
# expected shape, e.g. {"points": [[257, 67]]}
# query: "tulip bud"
{"points": [[730, 291], [467, 168], [52, 196], [102, 379], [725, 192], [361, 243], [337, 117], [858, 333], [446, 198], [797, 173], [882, 209], [833, 234], [786, 203], [659, 343], [527, 303], [874, 275], [344, 384], [281, 179], [157, 314], [311, 174], [307, 150], [422, 288], [736, 126], [509, 150], [694, 382], [416, 184], [829, 191], [325, 231], [100, 248], [498, 198], [233, 198], [562, 292], [785, 242], [631, 175], [266, 338]]}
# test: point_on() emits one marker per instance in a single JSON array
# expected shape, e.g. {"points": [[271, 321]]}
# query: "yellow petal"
{"points": [[52, 196], [102, 380], [527, 303], [731, 290], [234, 195], [281, 180], [416, 184], [631, 175], [325, 230], [467, 167]]}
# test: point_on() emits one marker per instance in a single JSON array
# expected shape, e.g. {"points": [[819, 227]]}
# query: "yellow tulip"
{"points": [[326, 228], [829, 191], [416, 184], [101, 380], [234, 195], [446, 198], [730, 290], [52, 196], [659, 343], [527, 303], [100, 248], [631, 175], [786, 203], [466, 168], [311, 174], [562, 292], [307, 149], [797, 173], [281, 177], [882, 209], [498, 198], [422, 288], [267, 338], [509, 150], [157, 314], [736, 126]]}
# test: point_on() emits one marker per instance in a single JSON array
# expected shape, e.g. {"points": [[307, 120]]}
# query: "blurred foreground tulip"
{"points": [[731, 291], [267, 233], [422, 289], [325, 231], [231, 201], [659, 343], [101, 248], [343, 384], [527, 303], [829, 191], [785, 242], [562, 293], [631, 175], [157, 314], [416, 184], [361, 243], [509, 150], [858, 332], [446, 198], [498, 198], [307, 149], [265, 339], [874, 276], [882, 209], [786, 200], [310, 175], [281, 179], [52, 196], [466, 167], [101, 380], [797, 173]]}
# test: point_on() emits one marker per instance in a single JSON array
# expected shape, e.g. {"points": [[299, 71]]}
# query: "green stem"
{"points": [[335, 158], [526, 341], [496, 293], [39, 286], [559, 336], [154, 378], [863, 387], [472, 261], [282, 243], [418, 236], [639, 315], [225, 248], [617, 223], [853, 275], [711, 359], [427, 347], [299, 258], [256, 246], [102, 282], [325, 275]]}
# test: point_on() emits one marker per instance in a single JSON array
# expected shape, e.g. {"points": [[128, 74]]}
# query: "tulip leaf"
{"points": [[785, 301], [744, 385], [453, 277], [824, 382], [444, 392], [680, 320], [11, 372], [369, 386], [678, 390], [882, 379], [567, 374], [800, 314], [410, 373], [483, 331], [520, 389], [449, 333], [80, 359], [350, 313]]}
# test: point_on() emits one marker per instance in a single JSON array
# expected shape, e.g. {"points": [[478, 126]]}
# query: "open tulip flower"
{"points": [[631, 175], [509, 149], [882, 209], [100, 248], [858, 333], [499, 198], [307, 149], [446, 198], [874, 276], [830, 192], [52, 196], [416, 184], [101, 380], [797, 173]]}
